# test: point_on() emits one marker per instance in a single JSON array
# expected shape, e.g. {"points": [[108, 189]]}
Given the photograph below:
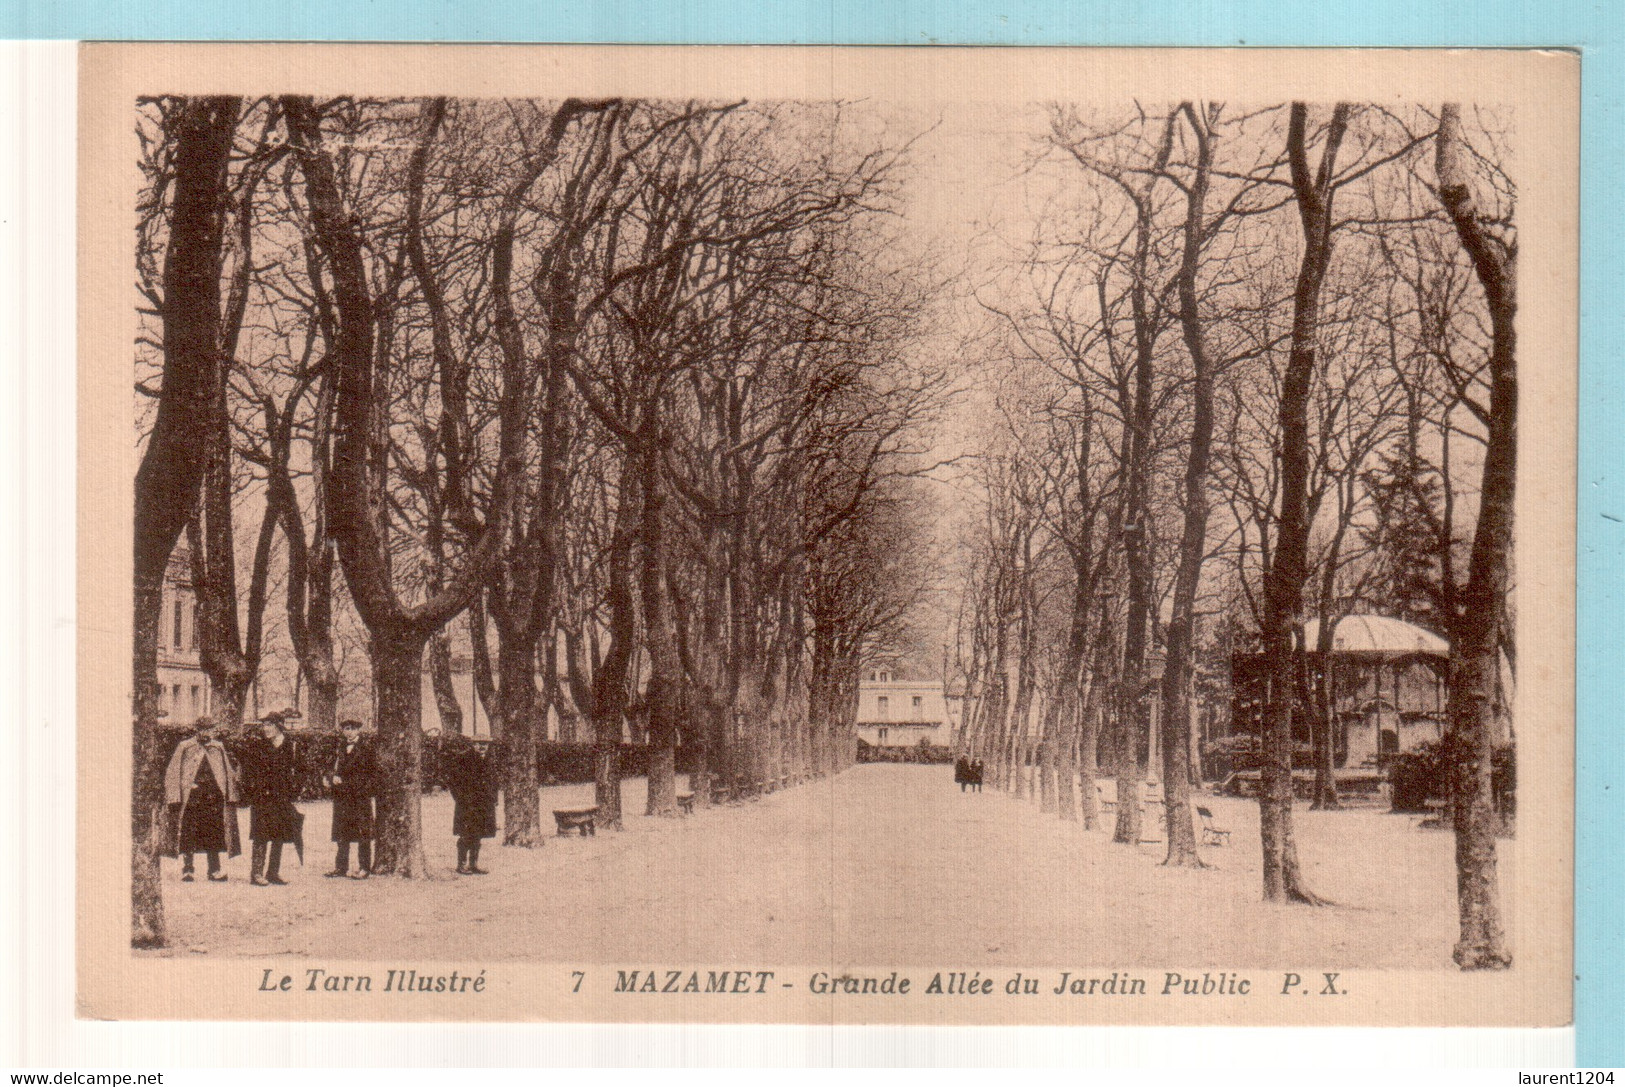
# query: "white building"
{"points": [[184, 693], [903, 713]]}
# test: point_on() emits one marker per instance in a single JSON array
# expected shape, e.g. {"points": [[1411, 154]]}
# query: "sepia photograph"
{"points": [[666, 535]]}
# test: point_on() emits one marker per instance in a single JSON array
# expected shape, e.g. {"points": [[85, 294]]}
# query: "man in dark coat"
{"points": [[270, 784], [353, 780], [474, 788], [962, 772], [200, 787]]}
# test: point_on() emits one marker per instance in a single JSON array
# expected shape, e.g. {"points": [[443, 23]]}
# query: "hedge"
{"points": [[916, 753], [1242, 752], [1421, 775]]}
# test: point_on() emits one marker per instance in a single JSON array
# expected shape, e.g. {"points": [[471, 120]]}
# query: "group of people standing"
{"points": [[204, 786], [968, 773]]}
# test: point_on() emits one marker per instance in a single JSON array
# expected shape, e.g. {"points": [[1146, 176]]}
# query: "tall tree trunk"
{"points": [[316, 653], [1283, 588], [822, 699], [1178, 679], [1131, 727], [397, 687], [211, 548], [310, 564], [575, 683], [816, 700], [1089, 757], [479, 640], [230, 653], [997, 711], [1047, 762], [168, 481], [611, 679], [1066, 758], [445, 692], [1319, 682], [521, 798], [524, 599], [664, 693], [1069, 700], [1475, 645], [606, 772], [550, 701], [147, 755], [212, 544], [310, 629], [1133, 708], [1025, 665], [321, 694]]}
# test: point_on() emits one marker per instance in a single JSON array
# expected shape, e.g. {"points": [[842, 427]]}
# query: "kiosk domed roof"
{"points": [[1377, 635]]}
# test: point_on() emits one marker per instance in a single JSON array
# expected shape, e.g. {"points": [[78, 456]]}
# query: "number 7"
{"points": [[578, 975]]}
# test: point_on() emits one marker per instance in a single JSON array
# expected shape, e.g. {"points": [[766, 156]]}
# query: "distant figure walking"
{"points": [[270, 784], [962, 772], [976, 774], [474, 788], [200, 787], [353, 780]]}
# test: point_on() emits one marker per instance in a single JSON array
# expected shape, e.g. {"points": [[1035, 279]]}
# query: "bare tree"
{"points": [[167, 483], [1475, 644], [523, 596], [1179, 672], [1133, 162], [359, 495], [1314, 189]]}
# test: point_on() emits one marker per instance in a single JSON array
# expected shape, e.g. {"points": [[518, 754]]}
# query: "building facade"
{"points": [[896, 712], [184, 693]]}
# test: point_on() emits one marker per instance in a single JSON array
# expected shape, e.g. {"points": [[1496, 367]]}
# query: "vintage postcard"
{"points": [[826, 535]]}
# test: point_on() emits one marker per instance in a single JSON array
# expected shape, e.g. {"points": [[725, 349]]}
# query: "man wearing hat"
{"points": [[200, 787], [352, 780], [473, 786], [270, 784]]}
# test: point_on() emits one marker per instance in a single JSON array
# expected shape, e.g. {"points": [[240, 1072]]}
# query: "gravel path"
{"points": [[884, 865]]}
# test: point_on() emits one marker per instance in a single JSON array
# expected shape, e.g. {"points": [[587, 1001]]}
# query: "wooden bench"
{"points": [[1212, 835], [685, 803], [582, 819]]}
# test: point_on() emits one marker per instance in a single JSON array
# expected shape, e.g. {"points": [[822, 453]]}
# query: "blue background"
{"points": [[1595, 28]]}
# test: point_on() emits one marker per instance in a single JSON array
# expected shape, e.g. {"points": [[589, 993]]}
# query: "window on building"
{"points": [[175, 699], [883, 708], [197, 614], [919, 707], [178, 616], [882, 736], [197, 705]]}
